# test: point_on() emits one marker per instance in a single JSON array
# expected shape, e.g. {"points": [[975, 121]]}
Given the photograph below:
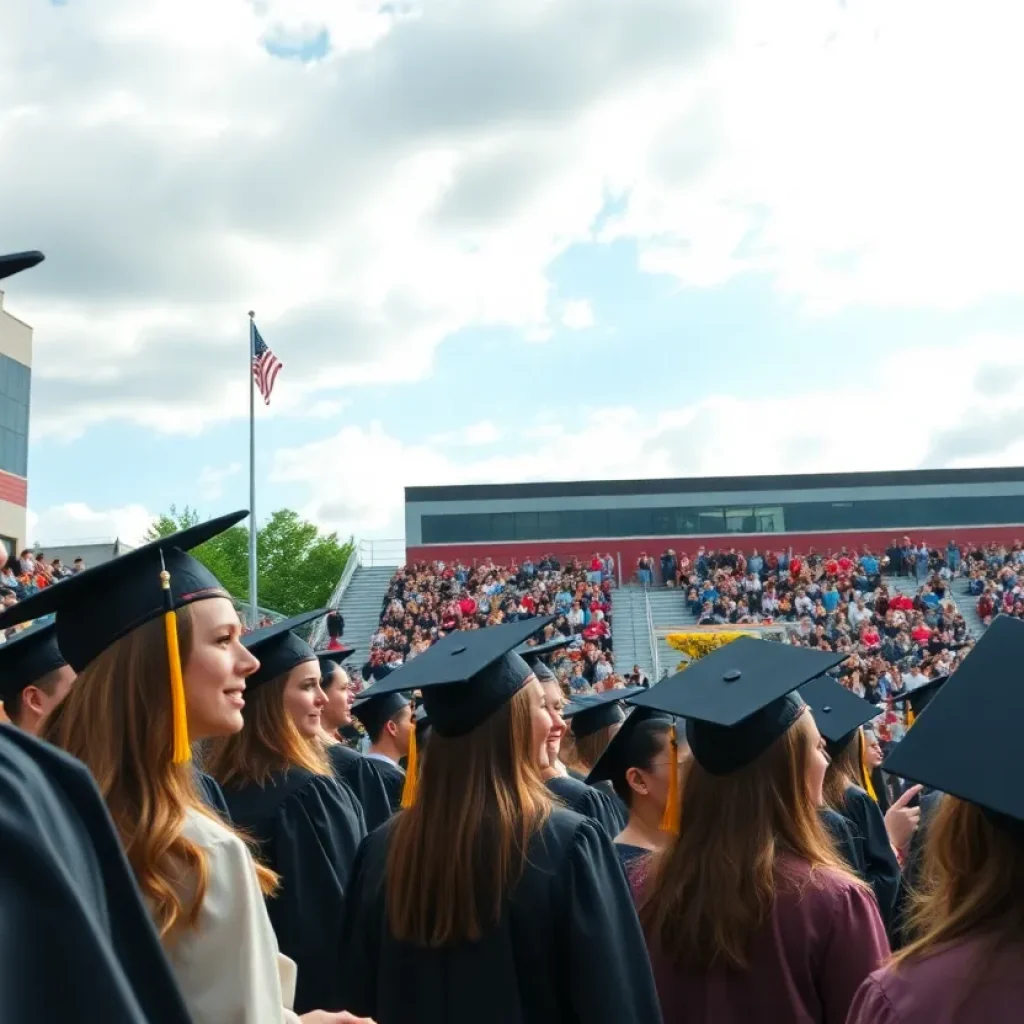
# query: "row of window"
{"points": [[13, 451], [15, 388], [15, 380], [894, 514]]}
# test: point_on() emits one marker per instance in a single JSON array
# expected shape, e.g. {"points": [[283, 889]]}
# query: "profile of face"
{"points": [[37, 701], [216, 670], [540, 720], [554, 702], [653, 782], [818, 760], [400, 728], [872, 750], [304, 700], [337, 712]]}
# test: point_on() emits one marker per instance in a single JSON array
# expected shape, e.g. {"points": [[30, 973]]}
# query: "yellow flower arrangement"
{"points": [[697, 645]]}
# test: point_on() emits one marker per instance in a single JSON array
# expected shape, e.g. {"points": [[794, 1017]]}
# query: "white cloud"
{"points": [[578, 315], [212, 478], [473, 435], [809, 429], [77, 522]]}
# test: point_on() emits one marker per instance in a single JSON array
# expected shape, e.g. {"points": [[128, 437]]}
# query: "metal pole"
{"points": [[253, 596]]}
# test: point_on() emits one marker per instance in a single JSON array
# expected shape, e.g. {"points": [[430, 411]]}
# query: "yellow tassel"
{"points": [[911, 717], [182, 749], [411, 773], [865, 771], [670, 819]]}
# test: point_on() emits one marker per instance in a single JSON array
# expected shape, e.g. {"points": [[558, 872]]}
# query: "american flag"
{"points": [[265, 365]]}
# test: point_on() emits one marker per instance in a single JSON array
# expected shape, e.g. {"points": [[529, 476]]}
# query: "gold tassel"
{"points": [[411, 772], [865, 771], [911, 717], [182, 750], [670, 819]]}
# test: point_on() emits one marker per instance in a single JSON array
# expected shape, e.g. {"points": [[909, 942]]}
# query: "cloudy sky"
{"points": [[507, 239]]}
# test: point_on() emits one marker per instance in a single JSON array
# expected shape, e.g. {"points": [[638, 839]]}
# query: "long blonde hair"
{"points": [[714, 887], [456, 853], [116, 719], [268, 743], [972, 882]]}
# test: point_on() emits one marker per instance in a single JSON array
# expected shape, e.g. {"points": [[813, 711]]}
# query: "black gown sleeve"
{"points": [[360, 774], [607, 971], [842, 836], [361, 941], [881, 868], [317, 831], [212, 794]]}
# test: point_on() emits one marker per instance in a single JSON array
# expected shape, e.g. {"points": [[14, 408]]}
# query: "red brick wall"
{"points": [[13, 489], [631, 549]]}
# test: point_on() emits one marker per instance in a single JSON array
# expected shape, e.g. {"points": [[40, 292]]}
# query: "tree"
{"points": [[298, 567]]}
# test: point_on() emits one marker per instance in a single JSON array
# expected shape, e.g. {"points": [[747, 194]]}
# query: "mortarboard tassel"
{"points": [[865, 771], [182, 750], [911, 717], [411, 773], [670, 819]]}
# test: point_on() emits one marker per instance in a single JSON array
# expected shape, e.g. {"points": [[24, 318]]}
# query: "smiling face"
{"points": [[303, 699], [216, 670], [554, 701]]}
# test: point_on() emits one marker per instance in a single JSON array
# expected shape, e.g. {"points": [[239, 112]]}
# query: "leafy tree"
{"points": [[298, 567]]}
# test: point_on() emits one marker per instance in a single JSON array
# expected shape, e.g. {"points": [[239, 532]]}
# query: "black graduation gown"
{"points": [[308, 828], [213, 797], [842, 835], [568, 948], [394, 781], [76, 941], [881, 869], [900, 937], [589, 801], [363, 778]]}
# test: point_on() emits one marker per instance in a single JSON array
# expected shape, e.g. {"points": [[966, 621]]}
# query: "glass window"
{"points": [[629, 522], [595, 522], [739, 520], [503, 526], [769, 519], [549, 525], [711, 520], [526, 526]]}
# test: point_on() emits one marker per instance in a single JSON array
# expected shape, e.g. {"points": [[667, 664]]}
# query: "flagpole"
{"points": [[253, 596]]}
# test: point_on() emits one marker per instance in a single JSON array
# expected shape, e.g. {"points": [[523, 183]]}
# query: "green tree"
{"points": [[298, 566]]}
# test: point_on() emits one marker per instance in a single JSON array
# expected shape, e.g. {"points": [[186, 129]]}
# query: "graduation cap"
{"points": [[739, 699], [16, 262], [27, 657], [374, 709], [464, 678], [279, 648], [838, 712], [99, 606], [920, 697], [618, 757], [330, 660], [982, 764], [594, 712]]}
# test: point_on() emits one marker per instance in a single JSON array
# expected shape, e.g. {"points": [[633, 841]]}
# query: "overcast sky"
{"points": [[500, 240]]}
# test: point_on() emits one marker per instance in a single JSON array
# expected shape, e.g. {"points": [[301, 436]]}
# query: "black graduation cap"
{"points": [[616, 759], [16, 262], [595, 711], [329, 660], [982, 764], [279, 648], [920, 697], [98, 606], [373, 708], [27, 657], [467, 675], [739, 699], [838, 712], [533, 652]]}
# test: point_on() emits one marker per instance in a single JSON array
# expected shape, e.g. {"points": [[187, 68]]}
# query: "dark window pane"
{"points": [[739, 520], [594, 522], [503, 526], [527, 526], [711, 520], [549, 525], [572, 524]]}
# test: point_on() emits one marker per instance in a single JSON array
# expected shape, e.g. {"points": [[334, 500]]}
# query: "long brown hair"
{"points": [[714, 887], [116, 719], [972, 882], [268, 743], [587, 749], [457, 852]]}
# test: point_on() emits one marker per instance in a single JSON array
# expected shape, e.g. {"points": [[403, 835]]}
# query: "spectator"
{"points": [[669, 567], [645, 569]]}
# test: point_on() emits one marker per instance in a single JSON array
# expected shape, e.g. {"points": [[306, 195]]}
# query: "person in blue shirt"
{"points": [[830, 598]]}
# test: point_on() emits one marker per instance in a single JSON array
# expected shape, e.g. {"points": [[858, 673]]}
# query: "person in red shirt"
{"points": [[869, 636], [796, 565], [921, 633], [986, 608]]}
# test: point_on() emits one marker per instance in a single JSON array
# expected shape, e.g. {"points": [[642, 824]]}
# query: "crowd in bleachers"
{"points": [[836, 601], [427, 600], [995, 580], [30, 572]]}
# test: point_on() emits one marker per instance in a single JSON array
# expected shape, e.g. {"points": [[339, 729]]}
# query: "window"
{"points": [[527, 526], [739, 520], [15, 384]]}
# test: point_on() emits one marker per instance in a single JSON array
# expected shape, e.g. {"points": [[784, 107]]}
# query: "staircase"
{"points": [[630, 639], [361, 606], [670, 614]]}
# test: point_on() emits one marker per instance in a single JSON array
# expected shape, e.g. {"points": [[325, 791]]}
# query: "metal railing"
{"points": [[652, 637], [390, 551], [318, 636]]}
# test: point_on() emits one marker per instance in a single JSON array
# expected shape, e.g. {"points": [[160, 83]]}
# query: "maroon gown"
{"points": [[824, 937]]}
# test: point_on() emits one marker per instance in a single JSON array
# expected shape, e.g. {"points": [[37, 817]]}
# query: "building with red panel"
{"points": [[15, 387], [628, 517]]}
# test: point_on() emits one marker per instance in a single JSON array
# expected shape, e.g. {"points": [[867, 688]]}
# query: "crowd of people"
{"points": [[31, 572], [995, 580], [425, 601]]}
